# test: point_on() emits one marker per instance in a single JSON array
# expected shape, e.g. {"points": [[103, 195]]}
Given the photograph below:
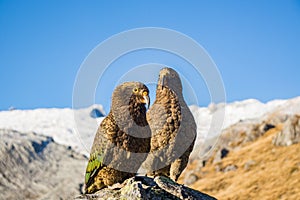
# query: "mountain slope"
{"points": [[254, 168], [35, 167], [76, 127], [49, 163], [71, 127]]}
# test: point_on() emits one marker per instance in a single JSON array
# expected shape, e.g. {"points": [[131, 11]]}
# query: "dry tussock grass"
{"points": [[264, 171]]}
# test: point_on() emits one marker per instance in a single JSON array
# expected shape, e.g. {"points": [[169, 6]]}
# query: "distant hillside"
{"points": [[77, 127], [252, 161], [43, 152], [247, 111], [36, 167], [71, 127]]}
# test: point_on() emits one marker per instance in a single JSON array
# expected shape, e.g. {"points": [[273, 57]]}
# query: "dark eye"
{"points": [[135, 90]]}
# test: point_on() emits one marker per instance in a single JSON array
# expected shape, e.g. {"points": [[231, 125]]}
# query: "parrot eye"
{"points": [[135, 90]]}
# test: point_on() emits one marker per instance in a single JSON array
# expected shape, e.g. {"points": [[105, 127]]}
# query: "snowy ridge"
{"points": [[238, 111], [76, 128], [69, 127]]}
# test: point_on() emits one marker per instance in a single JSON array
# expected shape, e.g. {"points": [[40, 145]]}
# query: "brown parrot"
{"points": [[122, 140], [173, 128]]}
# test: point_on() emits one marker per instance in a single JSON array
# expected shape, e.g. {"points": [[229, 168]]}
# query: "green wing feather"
{"points": [[94, 165]]}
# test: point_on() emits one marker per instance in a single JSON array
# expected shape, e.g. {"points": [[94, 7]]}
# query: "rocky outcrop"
{"points": [[36, 167], [140, 188], [290, 133]]}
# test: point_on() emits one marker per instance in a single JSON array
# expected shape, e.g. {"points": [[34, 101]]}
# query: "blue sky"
{"points": [[255, 44]]}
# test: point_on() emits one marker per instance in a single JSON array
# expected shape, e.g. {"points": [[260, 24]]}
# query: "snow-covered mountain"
{"points": [[77, 127], [208, 117], [39, 165], [70, 127]]}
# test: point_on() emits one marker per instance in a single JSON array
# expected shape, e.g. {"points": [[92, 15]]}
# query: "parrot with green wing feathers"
{"points": [[122, 140]]}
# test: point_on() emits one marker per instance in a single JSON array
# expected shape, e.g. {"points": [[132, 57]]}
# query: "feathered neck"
{"points": [[137, 111]]}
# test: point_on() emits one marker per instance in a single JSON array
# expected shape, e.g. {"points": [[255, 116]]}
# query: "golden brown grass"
{"points": [[273, 172]]}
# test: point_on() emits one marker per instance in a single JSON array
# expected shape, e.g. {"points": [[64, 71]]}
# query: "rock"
{"points": [[276, 118], [268, 127], [290, 133], [140, 188], [230, 168], [222, 153], [36, 167], [249, 164], [218, 168], [190, 178], [96, 113]]}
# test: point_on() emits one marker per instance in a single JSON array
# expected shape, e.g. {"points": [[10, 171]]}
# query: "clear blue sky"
{"points": [[255, 44]]}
